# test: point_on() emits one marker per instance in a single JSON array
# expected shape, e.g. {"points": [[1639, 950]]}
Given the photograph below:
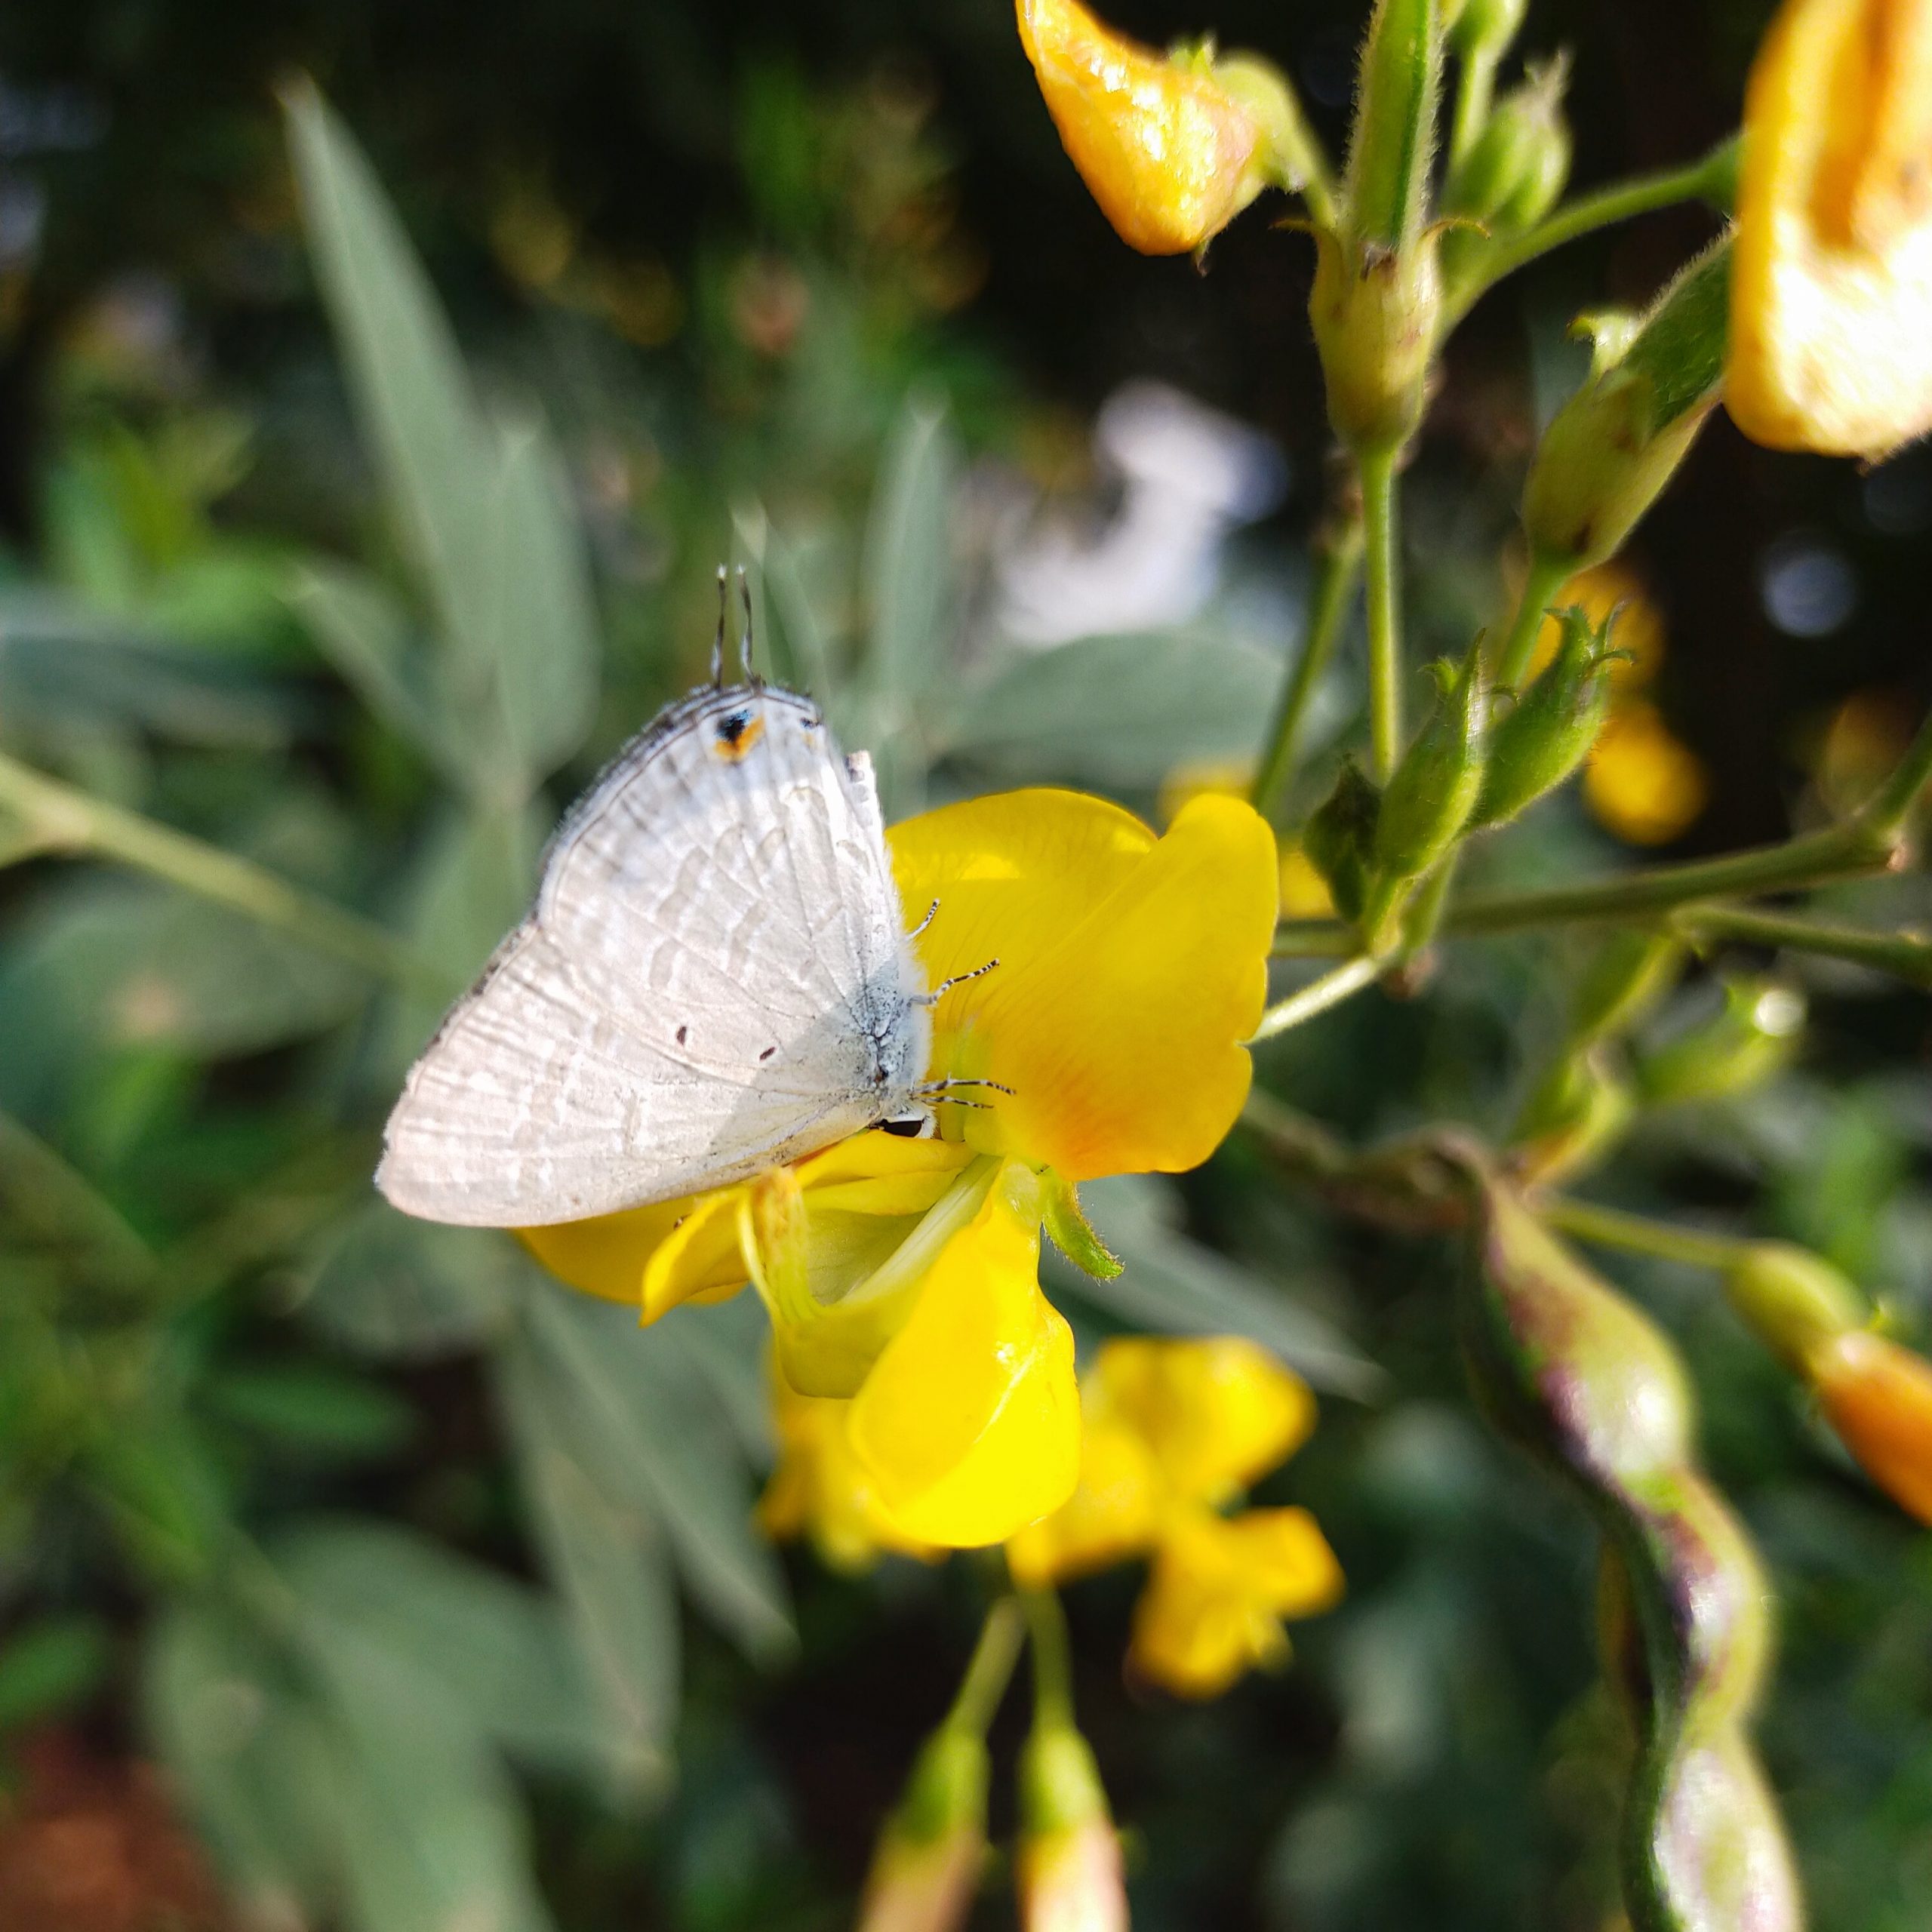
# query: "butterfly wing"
{"points": [[715, 978]]}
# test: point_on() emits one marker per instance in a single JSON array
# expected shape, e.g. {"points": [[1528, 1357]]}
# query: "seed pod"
{"points": [[1612, 448], [1512, 175], [1340, 839], [1435, 789], [1746, 1043]]}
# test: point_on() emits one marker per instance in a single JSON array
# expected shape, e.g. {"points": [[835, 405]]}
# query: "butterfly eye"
{"points": [[911, 1127]]}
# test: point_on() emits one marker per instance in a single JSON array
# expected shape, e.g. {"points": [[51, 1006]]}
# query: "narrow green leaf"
{"points": [[310, 1407], [909, 552], [788, 628]]}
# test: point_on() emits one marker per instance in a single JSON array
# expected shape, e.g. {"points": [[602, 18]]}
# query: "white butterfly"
{"points": [[715, 977]]}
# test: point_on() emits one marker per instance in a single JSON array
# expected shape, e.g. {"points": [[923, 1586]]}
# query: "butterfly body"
{"points": [[715, 977]]}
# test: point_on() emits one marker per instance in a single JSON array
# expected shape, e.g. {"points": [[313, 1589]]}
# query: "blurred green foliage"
{"points": [[435, 1590]]}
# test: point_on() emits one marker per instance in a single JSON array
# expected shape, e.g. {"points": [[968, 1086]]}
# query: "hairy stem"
{"points": [[1334, 594], [1385, 616], [1545, 579], [1052, 1660], [1338, 983]]}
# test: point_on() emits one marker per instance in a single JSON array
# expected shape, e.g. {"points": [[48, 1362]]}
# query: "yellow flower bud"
{"points": [[1170, 154], [1878, 1398], [1831, 297]]}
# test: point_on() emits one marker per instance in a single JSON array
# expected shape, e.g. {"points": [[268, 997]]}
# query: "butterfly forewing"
{"points": [[715, 978]]}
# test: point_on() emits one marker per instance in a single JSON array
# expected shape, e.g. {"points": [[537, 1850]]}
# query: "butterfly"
{"points": [[715, 978]]}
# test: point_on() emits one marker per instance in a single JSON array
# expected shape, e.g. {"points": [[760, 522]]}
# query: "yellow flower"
{"points": [[901, 1275], [820, 1489], [1878, 1398], [1305, 893], [1173, 1432], [1168, 153], [1213, 1606], [1831, 304], [1643, 782]]}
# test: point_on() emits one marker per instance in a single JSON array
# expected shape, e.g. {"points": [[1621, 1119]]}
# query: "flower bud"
{"points": [[1877, 1396], [1832, 304], [1340, 839], [1378, 283], [1571, 1120], [927, 1867], [1795, 1301], [1626, 976], [1170, 154], [1435, 789], [1484, 26], [1616, 442], [1069, 1865], [1549, 732], [1749, 1041], [1512, 175]]}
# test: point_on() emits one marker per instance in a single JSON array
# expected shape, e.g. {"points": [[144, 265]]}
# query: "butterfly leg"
{"points": [[945, 986]]}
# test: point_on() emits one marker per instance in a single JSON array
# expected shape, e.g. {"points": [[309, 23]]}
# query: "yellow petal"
{"points": [[969, 1423], [1215, 1414], [609, 1255], [1879, 1398], [1130, 971], [1831, 275], [1643, 782], [701, 1254], [1164, 148], [1110, 1515], [1212, 1608]]}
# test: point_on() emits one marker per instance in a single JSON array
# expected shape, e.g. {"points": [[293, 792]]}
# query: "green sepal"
{"points": [[1339, 839], [1793, 1300], [1060, 1783], [1749, 1040], [947, 1791], [1548, 732], [1435, 789], [1517, 168], [1071, 1232]]}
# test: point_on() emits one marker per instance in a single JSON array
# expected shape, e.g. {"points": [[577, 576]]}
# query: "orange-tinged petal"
{"points": [[969, 1423], [1831, 301], [1214, 1414], [1130, 971], [1164, 148], [1212, 1609], [1110, 1516], [1878, 1397]]}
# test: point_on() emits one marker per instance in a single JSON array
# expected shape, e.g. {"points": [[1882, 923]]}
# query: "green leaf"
{"points": [[502, 1651], [1175, 1285], [50, 1665], [607, 1560], [251, 1757], [403, 1290], [1115, 711], [46, 1204], [662, 1445], [793, 641], [909, 552], [310, 1408]]}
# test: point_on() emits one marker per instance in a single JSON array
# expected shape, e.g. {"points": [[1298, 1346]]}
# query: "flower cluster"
{"points": [[901, 1274], [1173, 1432]]}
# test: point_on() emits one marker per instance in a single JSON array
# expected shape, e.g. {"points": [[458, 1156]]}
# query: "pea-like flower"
{"points": [[1170, 154], [1174, 1432], [1832, 290], [901, 1274], [1877, 1396]]}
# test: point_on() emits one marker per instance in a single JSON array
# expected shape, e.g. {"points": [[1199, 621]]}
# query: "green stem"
{"points": [[1890, 811], [1053, 1660], [1334, 592], [1905, 955], [1339, 983], [989, 1669], [1545, 577], [67, 820], [1378, 472], [1425, 909], [1313, 939], [1636, 1234], [1619, 201]]}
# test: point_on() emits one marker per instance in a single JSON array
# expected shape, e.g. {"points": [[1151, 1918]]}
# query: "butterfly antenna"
{"points": [[717, 642], [745, 640]]}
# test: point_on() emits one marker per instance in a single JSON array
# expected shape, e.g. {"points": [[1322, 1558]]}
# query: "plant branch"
{"points": [[1379, 514], [1338, 983], [989, 1669], [64, 819], [1906, 955], [1053, 1665], [1636, 1234], [1334, 593], [1543, 580]]}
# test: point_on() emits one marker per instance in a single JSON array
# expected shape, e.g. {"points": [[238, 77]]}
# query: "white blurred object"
{"points": [[1189, 477]]}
